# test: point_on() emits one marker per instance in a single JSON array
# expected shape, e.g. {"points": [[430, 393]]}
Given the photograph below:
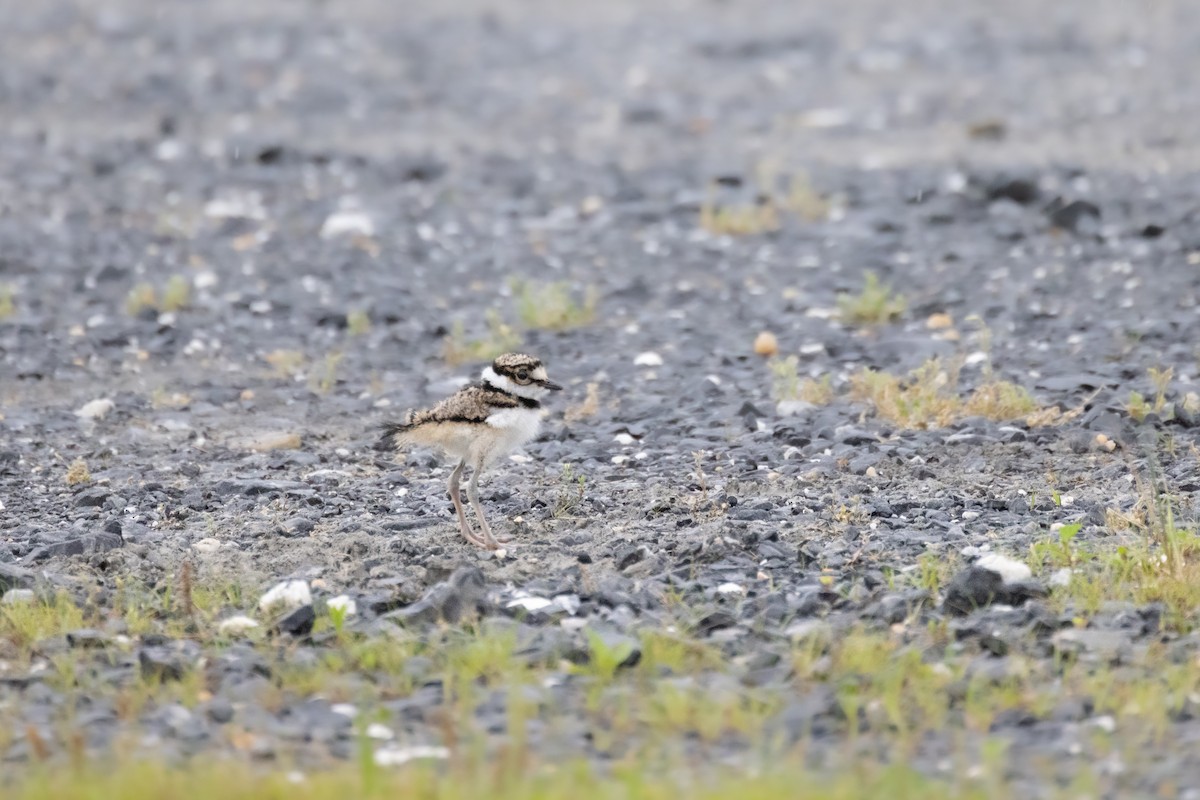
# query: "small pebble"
{"points": [[286, 596], [765, 344], [237, 626], [96, 409]]}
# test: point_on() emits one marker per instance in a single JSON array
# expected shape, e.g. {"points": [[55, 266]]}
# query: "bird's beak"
{"points": [[551, 385]]}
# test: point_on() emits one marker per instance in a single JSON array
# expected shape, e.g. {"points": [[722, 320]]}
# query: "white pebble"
{"points": [[623, 438], [648, 359], [286, 596], [345, 709], [236, 205], [567, 602], [207, 545], [343, 602], [237, 626], [730, 588], [1105, 723], [970, 515], [96, 409], [529, 603], [379, 731], [343, 223], [14, 596], [397, 756], [790, 408], [1009, 570]]}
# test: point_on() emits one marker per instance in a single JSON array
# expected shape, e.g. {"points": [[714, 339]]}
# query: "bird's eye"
{"points": [[522, 375]]}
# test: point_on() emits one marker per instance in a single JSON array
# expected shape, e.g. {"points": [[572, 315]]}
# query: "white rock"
{"points": [[970, 515], [96, 409], [823, 118], [623, 438], [798, 631], [1061, 578], [1009, 570], [567, 602], [397, 756], [730, 588], [380, 732], [207, 545], [286, 596], [648, 359], [1105, 723], [529, 603], [347, 222], [14, 596], [345, 709], [343, 602], [236, 205], [790, 408], [237, 626]]}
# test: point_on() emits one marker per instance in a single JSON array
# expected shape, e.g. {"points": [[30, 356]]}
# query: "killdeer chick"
{"points": [[478, 424]]}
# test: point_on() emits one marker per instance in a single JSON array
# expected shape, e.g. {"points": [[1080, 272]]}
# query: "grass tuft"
{"points": [[876, 304], [141, 297], [177, 294], [788, 385], [552, 306], [8, 305], [930, 397], [358, 322], [78, 473], [1139, 407]]}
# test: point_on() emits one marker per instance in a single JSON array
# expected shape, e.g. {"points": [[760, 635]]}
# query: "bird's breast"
{"points": [[519, 424]]}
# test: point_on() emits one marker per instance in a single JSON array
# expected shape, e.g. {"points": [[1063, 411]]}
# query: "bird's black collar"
{"points": [[526, 402]]}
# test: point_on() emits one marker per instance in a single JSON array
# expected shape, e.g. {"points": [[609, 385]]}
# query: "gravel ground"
{"points": [[340, 184]]}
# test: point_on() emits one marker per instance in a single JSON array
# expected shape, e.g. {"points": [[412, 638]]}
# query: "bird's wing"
{"points": [[469, 404]]}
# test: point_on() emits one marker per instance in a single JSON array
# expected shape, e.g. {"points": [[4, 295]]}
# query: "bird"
{"points": [[477, 425]]}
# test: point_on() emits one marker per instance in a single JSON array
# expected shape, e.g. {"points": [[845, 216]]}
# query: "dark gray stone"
{"points": [[297, 622], [464, 593], [86, 545]]}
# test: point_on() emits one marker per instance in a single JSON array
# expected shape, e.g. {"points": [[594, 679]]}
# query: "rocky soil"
{"points": [[332, 190]]}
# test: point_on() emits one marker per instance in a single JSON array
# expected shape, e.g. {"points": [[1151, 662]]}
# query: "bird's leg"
{"points": [[473, 495], [455, 498]]}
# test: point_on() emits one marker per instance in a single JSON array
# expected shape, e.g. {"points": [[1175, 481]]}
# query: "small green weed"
{"points": [[552, 306], [876, 304], [358, 322], [8, 305], [788, 385]]}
